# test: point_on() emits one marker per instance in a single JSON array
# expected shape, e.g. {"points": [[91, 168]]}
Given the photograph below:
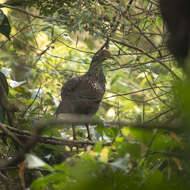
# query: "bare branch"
{"points": [[31, 14]]}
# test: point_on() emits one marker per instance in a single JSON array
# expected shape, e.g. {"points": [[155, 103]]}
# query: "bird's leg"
{"points": [[88, 130], [74, 133], [74, 136]]}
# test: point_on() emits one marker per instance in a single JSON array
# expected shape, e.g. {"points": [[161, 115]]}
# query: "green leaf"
{"points": [[123, 147], [98, 147], [153, 181], [141, 135], [115, 78], [164, 142]]}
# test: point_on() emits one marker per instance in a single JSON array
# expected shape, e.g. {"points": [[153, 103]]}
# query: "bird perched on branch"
{"points": [[82, 95]]}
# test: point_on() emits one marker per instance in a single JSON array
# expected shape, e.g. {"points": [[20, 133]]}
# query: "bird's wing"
{"points": [[70, 86]]}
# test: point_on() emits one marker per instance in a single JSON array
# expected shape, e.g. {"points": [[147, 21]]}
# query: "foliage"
{"points": [[52, 41]]}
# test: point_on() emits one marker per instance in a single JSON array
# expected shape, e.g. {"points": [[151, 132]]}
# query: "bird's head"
{"points": [[102, 55]]}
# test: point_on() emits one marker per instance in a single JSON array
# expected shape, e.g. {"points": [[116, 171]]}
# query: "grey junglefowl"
{"points": [[83, 94]]}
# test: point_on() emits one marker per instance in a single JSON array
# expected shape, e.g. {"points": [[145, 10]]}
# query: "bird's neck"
{"points": [[96, 71], [95, 67]]}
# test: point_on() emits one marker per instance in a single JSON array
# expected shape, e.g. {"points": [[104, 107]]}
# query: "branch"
{"points": [[148, 55], [46, 139], [34, 138], [69, 119], [10, 134], [79, 119], [31, 14], [135, 92]]}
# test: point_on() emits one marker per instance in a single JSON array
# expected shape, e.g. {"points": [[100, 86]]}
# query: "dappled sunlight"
{"points": [[111, 113], [91, 98], [42, 40]]}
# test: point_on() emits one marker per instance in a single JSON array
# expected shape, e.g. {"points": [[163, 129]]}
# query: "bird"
{"points": [[83, 94]]}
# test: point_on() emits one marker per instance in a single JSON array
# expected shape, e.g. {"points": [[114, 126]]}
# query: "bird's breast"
{"points": [[84, 98], [95, 86]]}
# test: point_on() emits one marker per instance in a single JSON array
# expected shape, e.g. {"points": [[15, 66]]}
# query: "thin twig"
{"points": [[10, 134], [31, 14]]}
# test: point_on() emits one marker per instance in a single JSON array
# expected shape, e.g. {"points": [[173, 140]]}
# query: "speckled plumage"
{"points": [[82, 95]]}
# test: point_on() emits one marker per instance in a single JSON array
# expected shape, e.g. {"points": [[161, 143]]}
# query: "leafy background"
{"points": [[45, 43]]}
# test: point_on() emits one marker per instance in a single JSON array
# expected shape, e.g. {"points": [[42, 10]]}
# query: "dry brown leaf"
{"points": [[174, 137], [21, 174], [177, 162]]}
